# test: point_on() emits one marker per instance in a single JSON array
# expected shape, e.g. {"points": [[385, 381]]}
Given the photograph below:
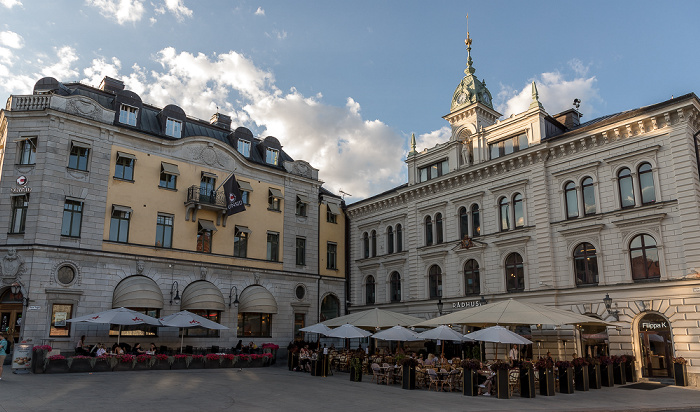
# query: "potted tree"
{"points": [[566, 377], [502, 388], [40, 353], [162, 362], [408, 371], [594, 378], [470, 383], [581, 378], [356, 370], [56, 364], [631, 369], [212, 361], [527, 379], [101, 364], [79, 364], [680, 371], [619, 373], [606, 371], [545, 368]]}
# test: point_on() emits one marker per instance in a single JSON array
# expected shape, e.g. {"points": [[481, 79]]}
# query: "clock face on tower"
{"points": [[462, 98], [487, 99]]}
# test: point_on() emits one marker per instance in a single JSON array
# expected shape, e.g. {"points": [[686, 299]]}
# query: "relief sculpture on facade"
{"points": [[12, 266]]}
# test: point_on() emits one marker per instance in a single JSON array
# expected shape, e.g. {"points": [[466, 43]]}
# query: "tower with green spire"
{"points": [[470, 90]]}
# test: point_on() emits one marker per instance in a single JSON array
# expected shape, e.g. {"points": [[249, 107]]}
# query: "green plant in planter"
{"points": [[408, 372], [527, 379], [546, 371], [594, 376], [581, 378], [470, 383], [356, 369], [501, 369], [680, 371], [476, 352]]}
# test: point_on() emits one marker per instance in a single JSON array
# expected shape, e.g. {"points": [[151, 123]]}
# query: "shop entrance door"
{"points": [[11, 315], [655, 342]]}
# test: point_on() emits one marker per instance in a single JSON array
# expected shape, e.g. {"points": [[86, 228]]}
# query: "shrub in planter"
{"points": [[631, 369], [180, 361], [38, 356], [356, 370], [56, 364], [680, 371], [143, 362], [594, 377], [502, 388], [545, 368], [213, 361], [607, 377], [125, 362], [101, 364], [527, 379], [566, 377], [272, 349], [470, 382], [581, 378], [408, 371], [196, 362], [619, 373], [80, 364], [229, 360], [161, 362]]}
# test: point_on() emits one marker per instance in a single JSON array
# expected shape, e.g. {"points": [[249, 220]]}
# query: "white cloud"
{"points": [[176, 7], [260, 12], [11, 39], [12, 82], [429, 140], [557, 92], [62, 69], [10, 3], [124, 10], [101, 68]]}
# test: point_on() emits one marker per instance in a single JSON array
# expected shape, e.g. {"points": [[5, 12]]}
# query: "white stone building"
{"points": [[547, 209]]}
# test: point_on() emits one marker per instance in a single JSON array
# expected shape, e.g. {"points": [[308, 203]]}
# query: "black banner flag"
{"points": [[234, 200]]}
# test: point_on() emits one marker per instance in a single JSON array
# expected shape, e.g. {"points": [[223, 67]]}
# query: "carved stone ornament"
{"points": [[12, 266], [256, 279], [301, 168], [84, 107], [203, 273], [206, 154], [140, 265]]}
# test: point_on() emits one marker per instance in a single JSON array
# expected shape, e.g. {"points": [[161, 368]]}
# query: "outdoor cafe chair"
{"points": [[434, 379], [514, 381], [378, 374]]}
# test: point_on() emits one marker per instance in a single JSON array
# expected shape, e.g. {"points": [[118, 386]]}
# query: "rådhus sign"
{"points": [[466, 304]]}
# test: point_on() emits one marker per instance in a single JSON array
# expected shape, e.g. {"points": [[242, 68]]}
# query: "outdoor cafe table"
{"points": [[386, 370]]}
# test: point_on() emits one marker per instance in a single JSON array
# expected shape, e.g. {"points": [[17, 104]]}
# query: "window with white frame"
{"points": [[244, 147], [127, 115], [508, 146], [26, 151], [173, 128], [272, 156], [433, 171]]}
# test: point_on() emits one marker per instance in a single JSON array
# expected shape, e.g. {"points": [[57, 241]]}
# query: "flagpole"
{"points": [[224, 181]]}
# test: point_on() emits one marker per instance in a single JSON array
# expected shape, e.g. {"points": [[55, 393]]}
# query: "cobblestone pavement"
{"points": [[277, 389]]}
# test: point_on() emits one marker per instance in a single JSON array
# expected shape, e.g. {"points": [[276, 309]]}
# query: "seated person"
{"points": [[484, 378], [137, 349], [101, 351], [152, 350], [117, 350], [80, 346]]}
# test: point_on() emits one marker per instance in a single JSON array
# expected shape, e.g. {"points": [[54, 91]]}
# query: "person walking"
{"points": [[3, 351]]}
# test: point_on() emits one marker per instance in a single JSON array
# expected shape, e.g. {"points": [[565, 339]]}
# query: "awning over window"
{"points": [[276, 192], [335, 209], [126, 155], [202, 295], [256, 299], [303, 198], [80, 144], [207, 225], [137, 292], [243, 229], [207, 174], [170, 169], [124, 209], [245, 186]]}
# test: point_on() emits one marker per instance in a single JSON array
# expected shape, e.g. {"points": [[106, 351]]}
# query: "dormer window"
{"points": [[271, 156], [127, 115], [244, 147], [173, 128]]}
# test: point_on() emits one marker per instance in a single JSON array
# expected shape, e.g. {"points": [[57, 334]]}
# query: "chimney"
{"points": [[111, 85], [221, 120], [570, 118]]}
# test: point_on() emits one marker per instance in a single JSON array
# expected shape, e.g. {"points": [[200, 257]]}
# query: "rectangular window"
{"points": [[299, 323], [59, 314], [246, 189], [301, 206], [332, 256], [212, 315], [173, 128], [72, 218], [205, 236], [164, 231], [124, 168], [245, 196], [254, 325], [119, 224], [244, 147], [271, 156], [508, 146], [433, 171], [79, 156], [331, 217], [207, 186], [240, 241], [26, 151], [273, 246], [273, 200], [19, 213], [127, 115], [168, 176], [301, 251]]}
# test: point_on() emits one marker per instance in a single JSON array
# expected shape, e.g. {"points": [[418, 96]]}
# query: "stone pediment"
{"points": [[82, 106], [301, 168]]}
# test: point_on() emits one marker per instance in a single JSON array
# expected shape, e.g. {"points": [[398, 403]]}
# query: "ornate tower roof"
{"points": [[470, 89]]}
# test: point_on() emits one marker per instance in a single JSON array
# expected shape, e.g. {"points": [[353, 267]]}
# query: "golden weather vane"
{"points": [[468, 40]]}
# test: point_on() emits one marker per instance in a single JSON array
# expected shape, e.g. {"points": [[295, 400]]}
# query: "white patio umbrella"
{"points": [[186, 319], [118, 316], [374, 318], [443, 333], [397, 333], [318, 328], [497, 334], [348, 331]]}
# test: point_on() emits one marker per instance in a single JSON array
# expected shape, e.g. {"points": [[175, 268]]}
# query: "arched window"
{"points": [[585, 264], [428, 231], [471, 277], [571, 200], [463, 223], [435, 281], [476, 221], [395, 287], [399, 239], [626, 188], [438, 228], [504, 212], [518, 211], [646, 184], [330, 308], [390, 240], [588, 196], [365, 245], [370, 289], [374, 243], [644, 258], [515, 273]]}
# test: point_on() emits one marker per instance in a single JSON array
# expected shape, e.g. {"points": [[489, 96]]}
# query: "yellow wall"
{"points": [[331, 232], [147, 199]]}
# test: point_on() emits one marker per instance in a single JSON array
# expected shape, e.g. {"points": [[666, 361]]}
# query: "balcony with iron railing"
{"points": [[201, 198]]}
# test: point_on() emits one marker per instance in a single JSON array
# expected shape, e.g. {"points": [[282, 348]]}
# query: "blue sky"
{"points": [[344, 84]]}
